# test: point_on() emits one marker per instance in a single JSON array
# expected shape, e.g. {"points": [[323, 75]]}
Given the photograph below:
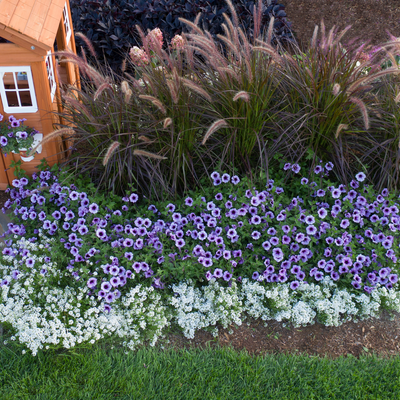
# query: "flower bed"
{"points": [[79, 266]]}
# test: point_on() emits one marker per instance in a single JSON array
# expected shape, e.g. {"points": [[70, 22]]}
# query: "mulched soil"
{"points": [[3, 198], [380, 336], [369, 19]]}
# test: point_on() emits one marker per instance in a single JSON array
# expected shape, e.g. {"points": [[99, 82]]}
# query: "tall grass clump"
{"points": [[107, 139], [383, 157], [243, 86], [328, 94], [178, 117]]}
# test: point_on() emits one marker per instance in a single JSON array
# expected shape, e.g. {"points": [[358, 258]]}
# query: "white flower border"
{"points": [[44, 317]]}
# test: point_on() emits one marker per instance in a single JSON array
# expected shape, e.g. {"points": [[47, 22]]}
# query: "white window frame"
{"points": [[3, 91], [67, 25], [50, 75]]}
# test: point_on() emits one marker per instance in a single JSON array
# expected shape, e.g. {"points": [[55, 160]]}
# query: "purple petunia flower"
{"points": [[92, 282], [15, 274], [227, 276], [133, 198], [319, 276], [360, 176], [356, 284], [3, 141], [301, 276], [225, 178], [110, 297], [343, 269], [189, 201], [335, 276], [93, 208], [296, 168], [105, 286], [287, 166], [69, 215], [83, 230], [255, 275], [115, 281], [318, 169], [207, 262], [274, 241], [101, 234], [215, 175], [180, 243], [209, 275], [235, 179], [344, 223], [304, 181], [30, 262], [311, 230], [277, 253], [217, 182], [255, 219], [294, 285], [218, 273], [286, 239]]}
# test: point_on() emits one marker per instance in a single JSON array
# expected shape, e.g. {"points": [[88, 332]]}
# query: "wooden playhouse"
{"points": [[30, 31]]}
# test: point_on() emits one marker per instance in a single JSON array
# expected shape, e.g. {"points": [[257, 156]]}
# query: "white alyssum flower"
{"points": [[201, 308]]}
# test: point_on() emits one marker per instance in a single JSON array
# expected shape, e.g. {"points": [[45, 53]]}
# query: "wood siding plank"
{"points": [[12, 54]]}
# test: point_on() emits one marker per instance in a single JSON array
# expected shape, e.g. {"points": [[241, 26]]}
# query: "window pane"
{"points": [[22, 80], [8, 80], [25, 97], [12, 99], [16, 89]]}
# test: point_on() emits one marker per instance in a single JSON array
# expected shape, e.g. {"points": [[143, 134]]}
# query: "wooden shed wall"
{"points": [[28, 51], [42, 120]]}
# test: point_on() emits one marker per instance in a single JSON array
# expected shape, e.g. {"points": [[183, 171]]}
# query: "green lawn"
{"points": [[196, 374]]}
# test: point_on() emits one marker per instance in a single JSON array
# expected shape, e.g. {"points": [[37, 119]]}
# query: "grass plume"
{"points": [[49, 137], [221, 123], [155, 101], [148, 154], [110, 151]]}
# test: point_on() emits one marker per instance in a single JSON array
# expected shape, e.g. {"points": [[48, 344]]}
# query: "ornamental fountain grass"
{"points": [[185, 118]]}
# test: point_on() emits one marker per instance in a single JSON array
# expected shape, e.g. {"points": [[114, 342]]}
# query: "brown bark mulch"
{"points": [[369, 19]]}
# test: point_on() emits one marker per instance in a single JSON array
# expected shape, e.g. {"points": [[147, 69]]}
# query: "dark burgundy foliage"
{"points": [[110, 25]]}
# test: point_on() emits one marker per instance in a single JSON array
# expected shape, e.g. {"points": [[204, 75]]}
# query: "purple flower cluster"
{"points": [[347, 234], [14, 133]]}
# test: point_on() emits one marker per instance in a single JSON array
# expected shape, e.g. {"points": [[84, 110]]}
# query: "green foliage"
{"points": [[18, 171], [105, 372]]}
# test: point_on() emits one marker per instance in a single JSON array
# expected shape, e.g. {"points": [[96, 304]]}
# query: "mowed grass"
{"points": [[222, 373]]}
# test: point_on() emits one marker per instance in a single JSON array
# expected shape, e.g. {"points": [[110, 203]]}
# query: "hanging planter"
{"points": [[37, 138], [17, 138], [22, 153]]}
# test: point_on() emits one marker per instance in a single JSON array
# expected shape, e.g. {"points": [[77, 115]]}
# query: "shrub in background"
{"points": [[111, 25]]}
